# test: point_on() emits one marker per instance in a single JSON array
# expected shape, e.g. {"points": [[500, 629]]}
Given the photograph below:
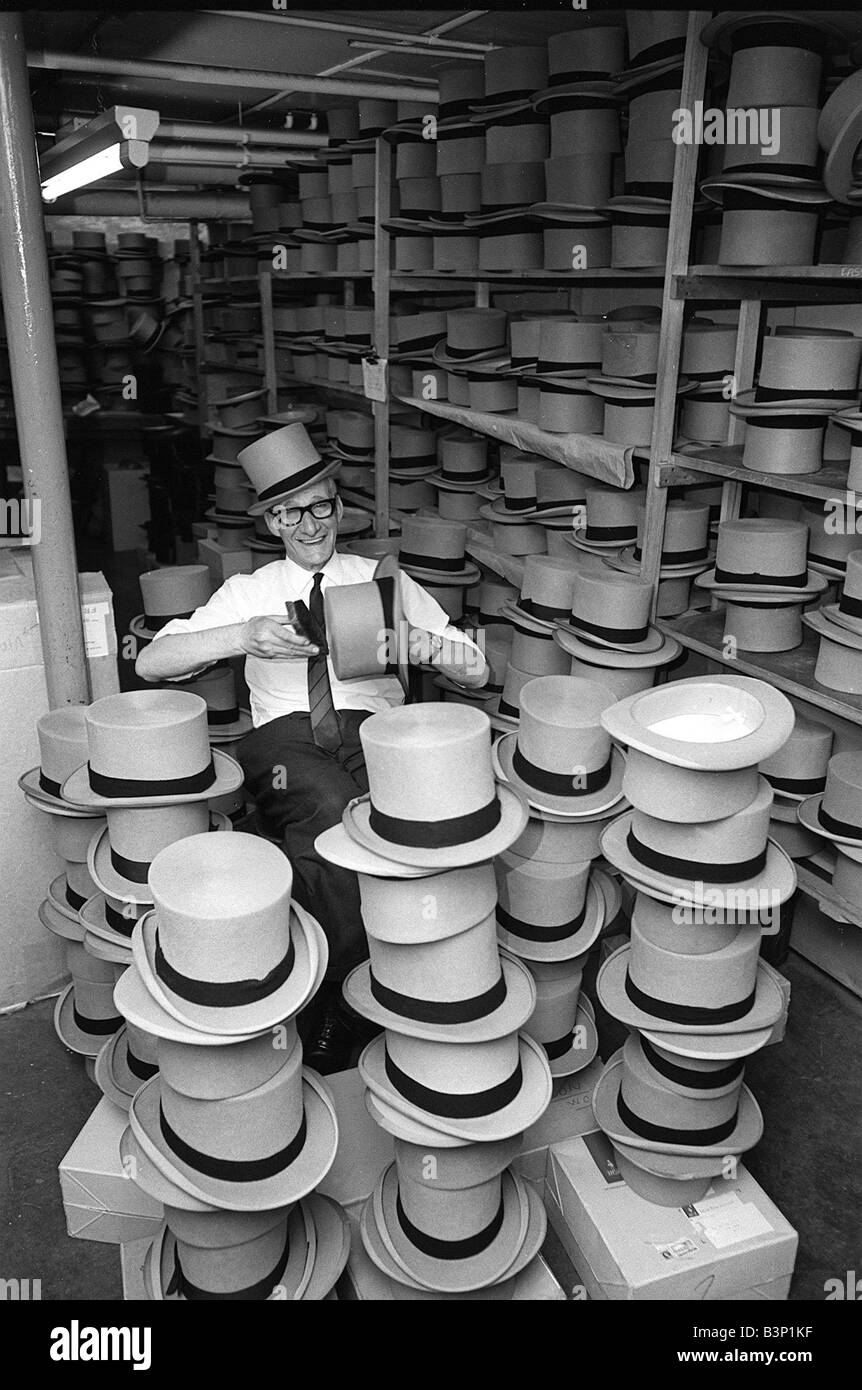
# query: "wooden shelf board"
{"points": [[820, 889], [725, 461], [823, 283], [793, 672]]}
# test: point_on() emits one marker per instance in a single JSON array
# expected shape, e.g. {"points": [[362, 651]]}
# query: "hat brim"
{"points": [[114, 884], [58, 900], [150, 1178], [616, 657], [648, 646], [703, 1047], [844, 636], [100, 949], [585, 1043], [626, 562], [745, 1134], [135, 1003], [465, 578], [814, 584], [305, 1172], [579, 538], [327, 470], [569, 947], [832, 613], [402, 1126], [808, 814], [774, 884], [229, 777], [629, 82], [508, 1017], [309, 944], [450, 485], [229, 733], [720, 31], [337, 847], [744, 404], [611, 988], [70, 1034], [549, 97], [68, 928], [443, 1274], [442, 359], [771, 733], [504, 518], [41, 800], [94, 920], [572, 807], [531, 1101], [112, 1073], [513, 819]]}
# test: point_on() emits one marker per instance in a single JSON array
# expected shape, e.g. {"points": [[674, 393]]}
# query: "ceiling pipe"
{"points": [[332, 26], [162, 206], [198, 74], [237, 157], [238, 135]]}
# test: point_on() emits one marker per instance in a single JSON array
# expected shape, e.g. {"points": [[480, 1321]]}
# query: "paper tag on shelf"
{"points": [[375, 383], [95, 619]]}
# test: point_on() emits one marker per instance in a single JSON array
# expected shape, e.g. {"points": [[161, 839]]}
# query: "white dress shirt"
{"points": [[280, 687]]}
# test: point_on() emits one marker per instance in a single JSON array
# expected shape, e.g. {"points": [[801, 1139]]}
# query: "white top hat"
{"points": [[835, 812], [149, 748], [432, 798]]}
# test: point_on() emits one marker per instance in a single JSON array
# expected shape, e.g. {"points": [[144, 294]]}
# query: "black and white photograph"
{"points": [[431, 654]]}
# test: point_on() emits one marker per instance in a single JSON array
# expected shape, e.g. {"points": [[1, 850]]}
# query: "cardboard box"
{"points": [[364, 1149], [570, 1113], [733, 1244], [362, 1280], [127, 504], [223, 563], [100, 1199], [133, 1253], [835, 947]]}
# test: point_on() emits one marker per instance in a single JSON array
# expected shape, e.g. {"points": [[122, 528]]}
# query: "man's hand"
{"points": [[275, 639]]}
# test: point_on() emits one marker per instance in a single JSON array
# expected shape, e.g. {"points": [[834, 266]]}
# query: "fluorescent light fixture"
{"points": [[115, 140]]}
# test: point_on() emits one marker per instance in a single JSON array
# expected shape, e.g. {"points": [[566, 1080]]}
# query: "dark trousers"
{"points": [[301, 790]]}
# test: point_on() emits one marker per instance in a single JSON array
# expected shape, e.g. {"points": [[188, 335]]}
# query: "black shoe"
{"points": [[331, 1042]]}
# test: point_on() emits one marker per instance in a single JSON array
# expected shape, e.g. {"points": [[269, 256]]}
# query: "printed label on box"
{"points": [[677, 1249], [374, 382], [725, 1220], [602, 1155], [95, 618]]}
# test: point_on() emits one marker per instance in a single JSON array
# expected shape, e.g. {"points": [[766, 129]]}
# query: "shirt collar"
{"points": [[299, 577]]}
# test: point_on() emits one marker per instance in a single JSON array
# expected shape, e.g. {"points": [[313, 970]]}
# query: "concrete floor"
{"points": [[808, 1087]]}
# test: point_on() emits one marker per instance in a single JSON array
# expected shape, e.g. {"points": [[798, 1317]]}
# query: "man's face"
{"points": [[311, 542]]}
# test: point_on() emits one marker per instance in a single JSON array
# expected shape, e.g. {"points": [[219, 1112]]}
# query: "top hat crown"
{"points": [[281, 464]]}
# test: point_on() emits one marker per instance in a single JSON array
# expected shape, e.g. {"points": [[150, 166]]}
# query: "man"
{"points": [[303, 760]]}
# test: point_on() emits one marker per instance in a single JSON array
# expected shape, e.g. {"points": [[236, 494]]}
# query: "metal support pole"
{"points": [[382, 257], [35, 378]]}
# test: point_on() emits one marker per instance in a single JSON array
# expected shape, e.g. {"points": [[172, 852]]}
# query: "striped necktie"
{"points": [[325, 728]]}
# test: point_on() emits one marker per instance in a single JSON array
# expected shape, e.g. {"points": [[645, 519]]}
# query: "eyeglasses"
{"points": [[291, 516]]}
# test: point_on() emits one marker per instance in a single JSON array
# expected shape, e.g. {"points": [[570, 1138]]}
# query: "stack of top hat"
{"points": [[805, 375], [708, 351], [433, 551], [150, 772], [696, 849], [84, 1015], [553, 902], [452, 1077], [561, 495], [685, 553], [608, 635], [226, 721], [569, 350], [545, 597], [463, 467], [473, 351], [761, 576], [584, 128], [514, 527], [796, 772], [231, 1134], [851, 420], [650, 87], [770, 191], [839, 628], [628, 382], [832, 814], [607, 525]]}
